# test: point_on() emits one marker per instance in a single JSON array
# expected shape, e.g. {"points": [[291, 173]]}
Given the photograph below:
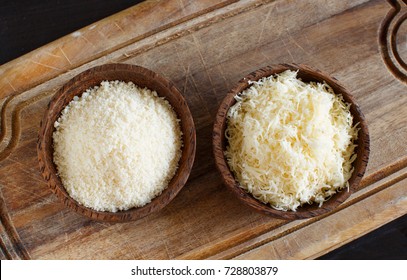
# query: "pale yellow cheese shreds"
{"points": [[290, 142], [117, 146]]}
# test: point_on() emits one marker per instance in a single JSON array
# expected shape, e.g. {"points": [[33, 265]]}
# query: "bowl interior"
{"points": [[307, 74], [143, 78]]}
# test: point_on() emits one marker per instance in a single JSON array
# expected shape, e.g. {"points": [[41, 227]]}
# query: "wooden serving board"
{"points": [[205, 47]]}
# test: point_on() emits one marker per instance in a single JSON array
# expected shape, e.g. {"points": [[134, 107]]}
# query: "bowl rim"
{"points": [[219, 143], [45, 141]]}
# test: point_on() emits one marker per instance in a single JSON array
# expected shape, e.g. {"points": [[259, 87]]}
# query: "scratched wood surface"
{"points": [[205, 47]]}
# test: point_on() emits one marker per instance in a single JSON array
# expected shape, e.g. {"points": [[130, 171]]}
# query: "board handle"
{"points": [[388, 32]]}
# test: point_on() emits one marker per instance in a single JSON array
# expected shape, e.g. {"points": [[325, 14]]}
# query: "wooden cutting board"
{"points": [[205, 47]]}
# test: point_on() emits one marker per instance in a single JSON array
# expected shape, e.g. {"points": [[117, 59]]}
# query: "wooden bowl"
{"points": [[307, 74], [143, 78]]}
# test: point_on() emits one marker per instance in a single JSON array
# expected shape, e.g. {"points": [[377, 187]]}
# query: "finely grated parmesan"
{"points": [[290, 142], [117, 146]]}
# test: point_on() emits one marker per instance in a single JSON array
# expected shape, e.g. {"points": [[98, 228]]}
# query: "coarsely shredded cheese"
{"points": [[117, 146], [290, 142]]}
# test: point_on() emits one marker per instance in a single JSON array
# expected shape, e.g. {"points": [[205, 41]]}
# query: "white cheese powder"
{"points": [[290, 142], [117, 146]]}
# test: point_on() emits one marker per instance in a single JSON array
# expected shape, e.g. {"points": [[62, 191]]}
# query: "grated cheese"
{"points": [[290, 142], [117, 146]]}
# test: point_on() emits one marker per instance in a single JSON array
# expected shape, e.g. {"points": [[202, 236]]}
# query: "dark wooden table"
{"points": [[27, 25]]}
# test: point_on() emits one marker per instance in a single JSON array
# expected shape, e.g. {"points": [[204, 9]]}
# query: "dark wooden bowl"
{"points": [[143, 78], [307, 74]]}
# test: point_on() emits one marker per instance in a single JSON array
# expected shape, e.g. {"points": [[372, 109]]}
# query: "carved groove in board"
{"points": [[341, 207], [207, 253], [16, 250], [3, 116], [366, 181], [10, 243], [14, 128], [388, 32], [382, 173], [3, 247]]}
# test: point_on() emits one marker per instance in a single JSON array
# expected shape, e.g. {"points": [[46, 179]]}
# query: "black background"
{"points": [[26, 25]]}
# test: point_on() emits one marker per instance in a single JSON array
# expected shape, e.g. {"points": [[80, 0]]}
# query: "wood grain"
{"points": [[205, 53]]}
